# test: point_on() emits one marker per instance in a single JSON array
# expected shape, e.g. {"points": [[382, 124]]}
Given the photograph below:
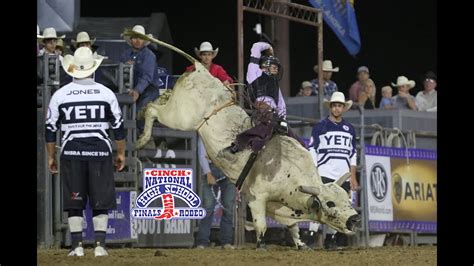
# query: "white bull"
{"points": [[283, 182]]}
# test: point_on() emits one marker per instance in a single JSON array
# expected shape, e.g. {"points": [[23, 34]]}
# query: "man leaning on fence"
{"points": [[146, 80], [84, 111]]}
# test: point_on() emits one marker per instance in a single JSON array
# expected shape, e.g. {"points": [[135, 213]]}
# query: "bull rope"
{"points": [[215, 111]]}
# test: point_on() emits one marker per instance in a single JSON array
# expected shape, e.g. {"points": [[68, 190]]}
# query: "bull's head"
{"points": [[332, 206]]}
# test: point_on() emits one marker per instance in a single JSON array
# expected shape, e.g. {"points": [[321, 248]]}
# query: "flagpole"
{"points": [[320, 63]]}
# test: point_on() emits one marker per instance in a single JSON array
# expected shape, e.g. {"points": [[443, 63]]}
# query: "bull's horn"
{"points": [[342, 179], [310, 190], [151, 39]]}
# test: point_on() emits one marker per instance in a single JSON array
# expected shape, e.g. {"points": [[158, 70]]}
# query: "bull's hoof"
{"points": [[261, 247], [304, 247]]}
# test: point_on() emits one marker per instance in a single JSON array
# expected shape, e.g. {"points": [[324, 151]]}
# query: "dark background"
{"points": [[398, 37]]}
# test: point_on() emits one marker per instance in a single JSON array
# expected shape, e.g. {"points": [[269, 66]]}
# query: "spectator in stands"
{"points": [[102, 75], [82, 40], [258, 49], [306, 89], [214, 181], [87, 167], [60, 47], [206, 55], [49, 40], [367, 94], [403, 100], [387, 101], [427, 100], [145, 73], [329, 86], [362, 75]]}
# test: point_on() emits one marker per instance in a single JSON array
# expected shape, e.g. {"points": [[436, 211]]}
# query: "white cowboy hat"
{"points": [[49, 33], [140, 30], [402, 80], [327, 66], [82, 64], [82, 37], [205, 47], [338, 97], [60, 43]]}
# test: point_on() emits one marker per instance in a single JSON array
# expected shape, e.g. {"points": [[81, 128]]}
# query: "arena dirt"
{"points": [[276, 255]]}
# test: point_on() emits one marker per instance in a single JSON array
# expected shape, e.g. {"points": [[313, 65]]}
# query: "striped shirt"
{"points": [[329, 87], [84, 111]]}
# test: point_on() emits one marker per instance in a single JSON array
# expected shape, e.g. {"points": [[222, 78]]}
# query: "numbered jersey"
{"points": [[335, 146], [84, 110]]}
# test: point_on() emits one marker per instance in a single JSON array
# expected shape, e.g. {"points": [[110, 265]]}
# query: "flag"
{"points": [[340, 16]]}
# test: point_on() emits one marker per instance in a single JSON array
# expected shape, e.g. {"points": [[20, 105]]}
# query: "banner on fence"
{"points": [[120, 226], [402, 192]]}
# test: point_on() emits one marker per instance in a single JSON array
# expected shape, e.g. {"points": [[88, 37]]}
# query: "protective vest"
{"points": [[265, 85]]}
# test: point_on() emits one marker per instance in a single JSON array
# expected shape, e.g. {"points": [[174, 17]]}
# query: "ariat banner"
{"points": [[402, 189]]}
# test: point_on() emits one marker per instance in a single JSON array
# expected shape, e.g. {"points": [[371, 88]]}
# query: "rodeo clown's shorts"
{"points": [[93, 180]]}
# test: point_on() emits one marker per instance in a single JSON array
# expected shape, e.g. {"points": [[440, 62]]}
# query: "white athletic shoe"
{"points": [[79, 252], [228, 247], [100, 251]]}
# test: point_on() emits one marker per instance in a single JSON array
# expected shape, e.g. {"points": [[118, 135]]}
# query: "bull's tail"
{"points": [[151, 39]]}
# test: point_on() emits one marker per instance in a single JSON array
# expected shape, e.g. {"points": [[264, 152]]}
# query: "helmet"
{"points": [[266, 61]]}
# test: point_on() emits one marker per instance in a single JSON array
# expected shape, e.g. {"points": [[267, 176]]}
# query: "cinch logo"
{"points": [[378, 182], [168, 184]]}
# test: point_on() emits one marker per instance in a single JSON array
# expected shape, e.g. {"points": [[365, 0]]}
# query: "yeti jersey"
{"points": [[84, 109], [335, 146]]}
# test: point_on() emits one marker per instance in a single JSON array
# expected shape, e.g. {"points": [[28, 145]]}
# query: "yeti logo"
{"points": [[397, 187], [378, 182]]}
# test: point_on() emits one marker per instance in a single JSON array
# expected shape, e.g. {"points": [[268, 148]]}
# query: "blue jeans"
{"points": [[208, 202]]}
